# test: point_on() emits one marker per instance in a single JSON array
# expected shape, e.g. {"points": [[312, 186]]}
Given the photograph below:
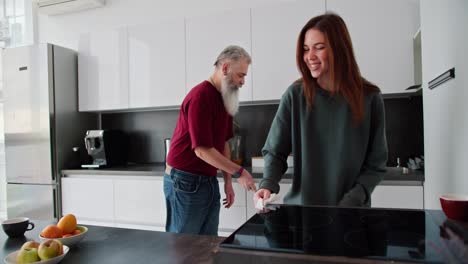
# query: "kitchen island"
{"points": [[119, 245]]}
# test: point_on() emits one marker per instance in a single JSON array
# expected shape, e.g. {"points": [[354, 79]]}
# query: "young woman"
{"points": [[332, 120]]}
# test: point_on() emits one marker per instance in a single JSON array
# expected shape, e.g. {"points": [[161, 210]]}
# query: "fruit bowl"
{"points": [[71, 240], [455, 206], [11, 258]]}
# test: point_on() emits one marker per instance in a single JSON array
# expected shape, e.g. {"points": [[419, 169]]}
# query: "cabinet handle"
{"points": [[448, 75]]}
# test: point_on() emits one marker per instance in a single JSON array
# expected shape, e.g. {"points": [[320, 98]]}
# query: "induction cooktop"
{"points": [[389, 234]]}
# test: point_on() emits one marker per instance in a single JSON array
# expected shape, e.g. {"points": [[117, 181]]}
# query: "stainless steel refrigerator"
{"points": [[42, 125]]}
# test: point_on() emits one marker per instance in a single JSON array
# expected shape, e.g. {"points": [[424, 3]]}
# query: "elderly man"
{"points": [[199, 148]]}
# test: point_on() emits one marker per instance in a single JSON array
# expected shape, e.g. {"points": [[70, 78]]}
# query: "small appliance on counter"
{"points": [[106, 147]]}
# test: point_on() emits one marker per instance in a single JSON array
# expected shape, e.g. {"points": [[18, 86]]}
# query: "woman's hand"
{"points": [[264, 194]]}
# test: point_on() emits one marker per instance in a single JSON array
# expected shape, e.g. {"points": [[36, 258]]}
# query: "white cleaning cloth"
{"points": [[261, 204]]}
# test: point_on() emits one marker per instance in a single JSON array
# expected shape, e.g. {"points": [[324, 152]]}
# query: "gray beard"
{"points": [[230, 94]]}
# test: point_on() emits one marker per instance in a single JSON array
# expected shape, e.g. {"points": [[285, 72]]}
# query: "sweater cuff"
{"points": [[270, 185], [356, 197]]}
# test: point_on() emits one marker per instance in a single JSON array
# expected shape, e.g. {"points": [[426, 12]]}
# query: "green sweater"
{"points": [[336, 162]]}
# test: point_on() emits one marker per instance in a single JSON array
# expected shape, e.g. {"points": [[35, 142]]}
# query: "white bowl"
{"points": [[72, 240], [11, 258]]}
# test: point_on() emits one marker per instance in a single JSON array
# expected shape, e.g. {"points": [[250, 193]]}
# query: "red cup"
{"points": [[455, 206]]}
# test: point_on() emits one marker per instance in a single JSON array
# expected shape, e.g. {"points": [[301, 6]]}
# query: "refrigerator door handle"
{"points": [[54, 193]]}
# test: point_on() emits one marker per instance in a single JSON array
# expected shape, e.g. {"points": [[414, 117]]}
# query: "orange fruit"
{"points": [[67, 235], [51, 231], [67, 223], [76, 232]]}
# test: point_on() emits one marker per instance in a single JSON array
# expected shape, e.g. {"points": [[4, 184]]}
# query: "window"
{"points": [[13, 22]]}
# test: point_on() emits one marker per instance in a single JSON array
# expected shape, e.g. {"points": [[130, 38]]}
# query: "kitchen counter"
{"points": [[119, 245], [158, 170], [394, 175]]}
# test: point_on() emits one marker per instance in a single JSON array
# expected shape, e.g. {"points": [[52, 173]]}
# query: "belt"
{"points": [[168, 169]]}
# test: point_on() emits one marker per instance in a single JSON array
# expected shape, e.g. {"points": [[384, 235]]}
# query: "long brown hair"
{"points": [[344, 72]]}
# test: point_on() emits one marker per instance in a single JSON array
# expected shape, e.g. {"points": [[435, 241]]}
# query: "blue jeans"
{"points": [[192, 203]]}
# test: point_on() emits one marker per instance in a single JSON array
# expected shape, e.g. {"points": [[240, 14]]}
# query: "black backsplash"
{"points": [[405, 129], [148, 130]]}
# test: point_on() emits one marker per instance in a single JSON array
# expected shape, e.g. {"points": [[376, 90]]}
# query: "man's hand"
{"points": [[230, 195], [247, 181]]}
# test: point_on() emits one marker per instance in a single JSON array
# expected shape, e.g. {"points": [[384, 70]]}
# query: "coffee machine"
{"points": [[106, 147]]}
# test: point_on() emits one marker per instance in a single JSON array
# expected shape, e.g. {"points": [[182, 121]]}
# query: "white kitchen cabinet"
{"points": [[233, 217], [382, 44], [207, 36], [120, 200], [156, 57], [251, 211], [393, 196], [103, 70], [88, 198], [275, 29], [140, 201]]}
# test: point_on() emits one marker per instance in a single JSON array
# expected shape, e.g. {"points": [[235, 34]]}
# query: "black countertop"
{"points": [[449, 245], [394, 175], [119, 245], [129, 246]]}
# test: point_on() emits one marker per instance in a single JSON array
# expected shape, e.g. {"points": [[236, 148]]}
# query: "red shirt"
{"points": [[203, 121]]}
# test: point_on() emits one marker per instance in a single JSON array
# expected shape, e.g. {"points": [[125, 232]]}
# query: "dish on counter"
{"points": [[71, 240], [455, 206], [11, 258]]}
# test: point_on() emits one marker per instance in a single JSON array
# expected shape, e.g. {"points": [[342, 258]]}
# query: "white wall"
{"points": [[64, 29], [2, 148], [444, 41]]}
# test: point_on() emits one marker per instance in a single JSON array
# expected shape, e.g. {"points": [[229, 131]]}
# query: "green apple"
{"points": [[49, 249], [30, 244], [27, 255], [61, 246]]}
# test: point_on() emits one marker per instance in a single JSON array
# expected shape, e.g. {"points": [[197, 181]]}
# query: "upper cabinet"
{"points": [[207, 36], [103, 70], [275, 30], [382, 33], [156, 64]]}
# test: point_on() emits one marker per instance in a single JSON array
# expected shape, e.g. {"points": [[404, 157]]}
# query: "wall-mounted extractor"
{"points": [[57, 7]]}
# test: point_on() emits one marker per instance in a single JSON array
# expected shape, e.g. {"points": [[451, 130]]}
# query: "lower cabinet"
{"points": [[398, 196], [232, 218], [120, 201], [88, 198], [140, 201]]}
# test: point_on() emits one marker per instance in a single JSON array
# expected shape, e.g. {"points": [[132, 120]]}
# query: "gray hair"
{"points": [[232, 53]]}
